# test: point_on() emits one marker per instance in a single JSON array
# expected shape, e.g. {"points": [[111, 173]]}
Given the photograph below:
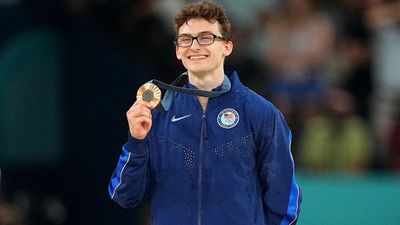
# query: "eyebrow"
{"points": [[203, 32]]}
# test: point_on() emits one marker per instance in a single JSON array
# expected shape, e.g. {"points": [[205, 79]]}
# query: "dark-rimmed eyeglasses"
{"points": [[202, 39]]}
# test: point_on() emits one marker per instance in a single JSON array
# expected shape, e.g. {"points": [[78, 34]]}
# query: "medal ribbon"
{"points": [[177, 86]]}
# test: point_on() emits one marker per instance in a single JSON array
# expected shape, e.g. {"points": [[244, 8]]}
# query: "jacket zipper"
{"points": [[203, 135]]}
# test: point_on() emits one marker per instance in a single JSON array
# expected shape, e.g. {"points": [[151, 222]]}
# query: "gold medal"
{"points": [[150, 93]]}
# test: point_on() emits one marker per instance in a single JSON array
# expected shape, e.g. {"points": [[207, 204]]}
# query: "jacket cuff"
{"points": [[135, 145]]}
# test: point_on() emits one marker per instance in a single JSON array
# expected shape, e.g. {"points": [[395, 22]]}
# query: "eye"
{"points": [[206, 37], [184, 39]]}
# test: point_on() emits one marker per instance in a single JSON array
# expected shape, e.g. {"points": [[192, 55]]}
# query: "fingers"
{"points": [[139, 109], [142, 103], [139, 119]]}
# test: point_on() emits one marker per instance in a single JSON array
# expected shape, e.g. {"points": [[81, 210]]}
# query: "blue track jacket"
{"points": [[228, 165]]}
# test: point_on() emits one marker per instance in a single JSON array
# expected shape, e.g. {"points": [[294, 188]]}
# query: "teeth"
{"points": [[198, 57]]}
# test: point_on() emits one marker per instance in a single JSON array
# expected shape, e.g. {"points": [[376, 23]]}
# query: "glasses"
{"points": [[202, 39]]}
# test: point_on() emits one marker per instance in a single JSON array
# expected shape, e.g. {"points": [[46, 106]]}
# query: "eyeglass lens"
{"points": [[204, 39]]}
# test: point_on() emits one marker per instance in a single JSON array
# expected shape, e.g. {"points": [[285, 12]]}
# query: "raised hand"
{"points": [[139, 119]]}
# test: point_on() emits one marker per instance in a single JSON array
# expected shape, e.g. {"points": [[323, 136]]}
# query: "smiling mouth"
{"points": [[197, 57]]}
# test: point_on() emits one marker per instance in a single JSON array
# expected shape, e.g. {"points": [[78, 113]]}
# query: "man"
{"points": [[223, 160]]}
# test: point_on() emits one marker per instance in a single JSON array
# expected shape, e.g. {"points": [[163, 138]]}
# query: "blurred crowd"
{"points": [[70, 69], [332, 68]]}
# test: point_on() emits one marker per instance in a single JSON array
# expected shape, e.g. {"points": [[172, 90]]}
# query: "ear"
{"points": [[228, 48], [177, 52]]}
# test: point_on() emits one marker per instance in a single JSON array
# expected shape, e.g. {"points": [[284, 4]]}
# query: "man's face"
{"points": [[202, 60]]}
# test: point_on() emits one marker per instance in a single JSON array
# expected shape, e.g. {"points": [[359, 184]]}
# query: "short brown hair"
{"points": [[208, 11]]}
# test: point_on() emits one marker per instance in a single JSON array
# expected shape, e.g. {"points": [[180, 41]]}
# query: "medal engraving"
{"points": [[150, 93]]}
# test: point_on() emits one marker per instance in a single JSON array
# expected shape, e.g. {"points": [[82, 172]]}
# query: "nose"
{"points": [[195, 44]]}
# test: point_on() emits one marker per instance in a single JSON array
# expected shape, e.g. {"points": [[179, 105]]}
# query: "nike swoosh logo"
{"points": [[176, 119]]}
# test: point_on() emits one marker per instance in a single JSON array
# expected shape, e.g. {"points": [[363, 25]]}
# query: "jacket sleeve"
{"points": [[281, 194], [130, 181]]}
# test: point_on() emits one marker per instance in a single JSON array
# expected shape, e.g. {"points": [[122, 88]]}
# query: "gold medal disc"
{"points": [[150, 93]]}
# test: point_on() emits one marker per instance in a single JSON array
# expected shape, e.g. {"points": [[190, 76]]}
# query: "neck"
{"points": [[206, 82]]}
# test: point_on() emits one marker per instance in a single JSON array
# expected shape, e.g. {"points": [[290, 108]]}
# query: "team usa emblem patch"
{"points": [[228, 118]]}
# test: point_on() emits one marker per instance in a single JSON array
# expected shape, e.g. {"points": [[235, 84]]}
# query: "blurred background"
{"points": [[69, 70]]}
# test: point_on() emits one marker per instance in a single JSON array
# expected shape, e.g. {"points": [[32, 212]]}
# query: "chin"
{"points": [[197, 69]]}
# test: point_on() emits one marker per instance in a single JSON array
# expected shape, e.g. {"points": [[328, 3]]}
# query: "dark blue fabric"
{"points": [[198, 172]]}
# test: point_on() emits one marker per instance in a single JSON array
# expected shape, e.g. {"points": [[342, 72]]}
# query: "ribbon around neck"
{"points": [[178, 86]]}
